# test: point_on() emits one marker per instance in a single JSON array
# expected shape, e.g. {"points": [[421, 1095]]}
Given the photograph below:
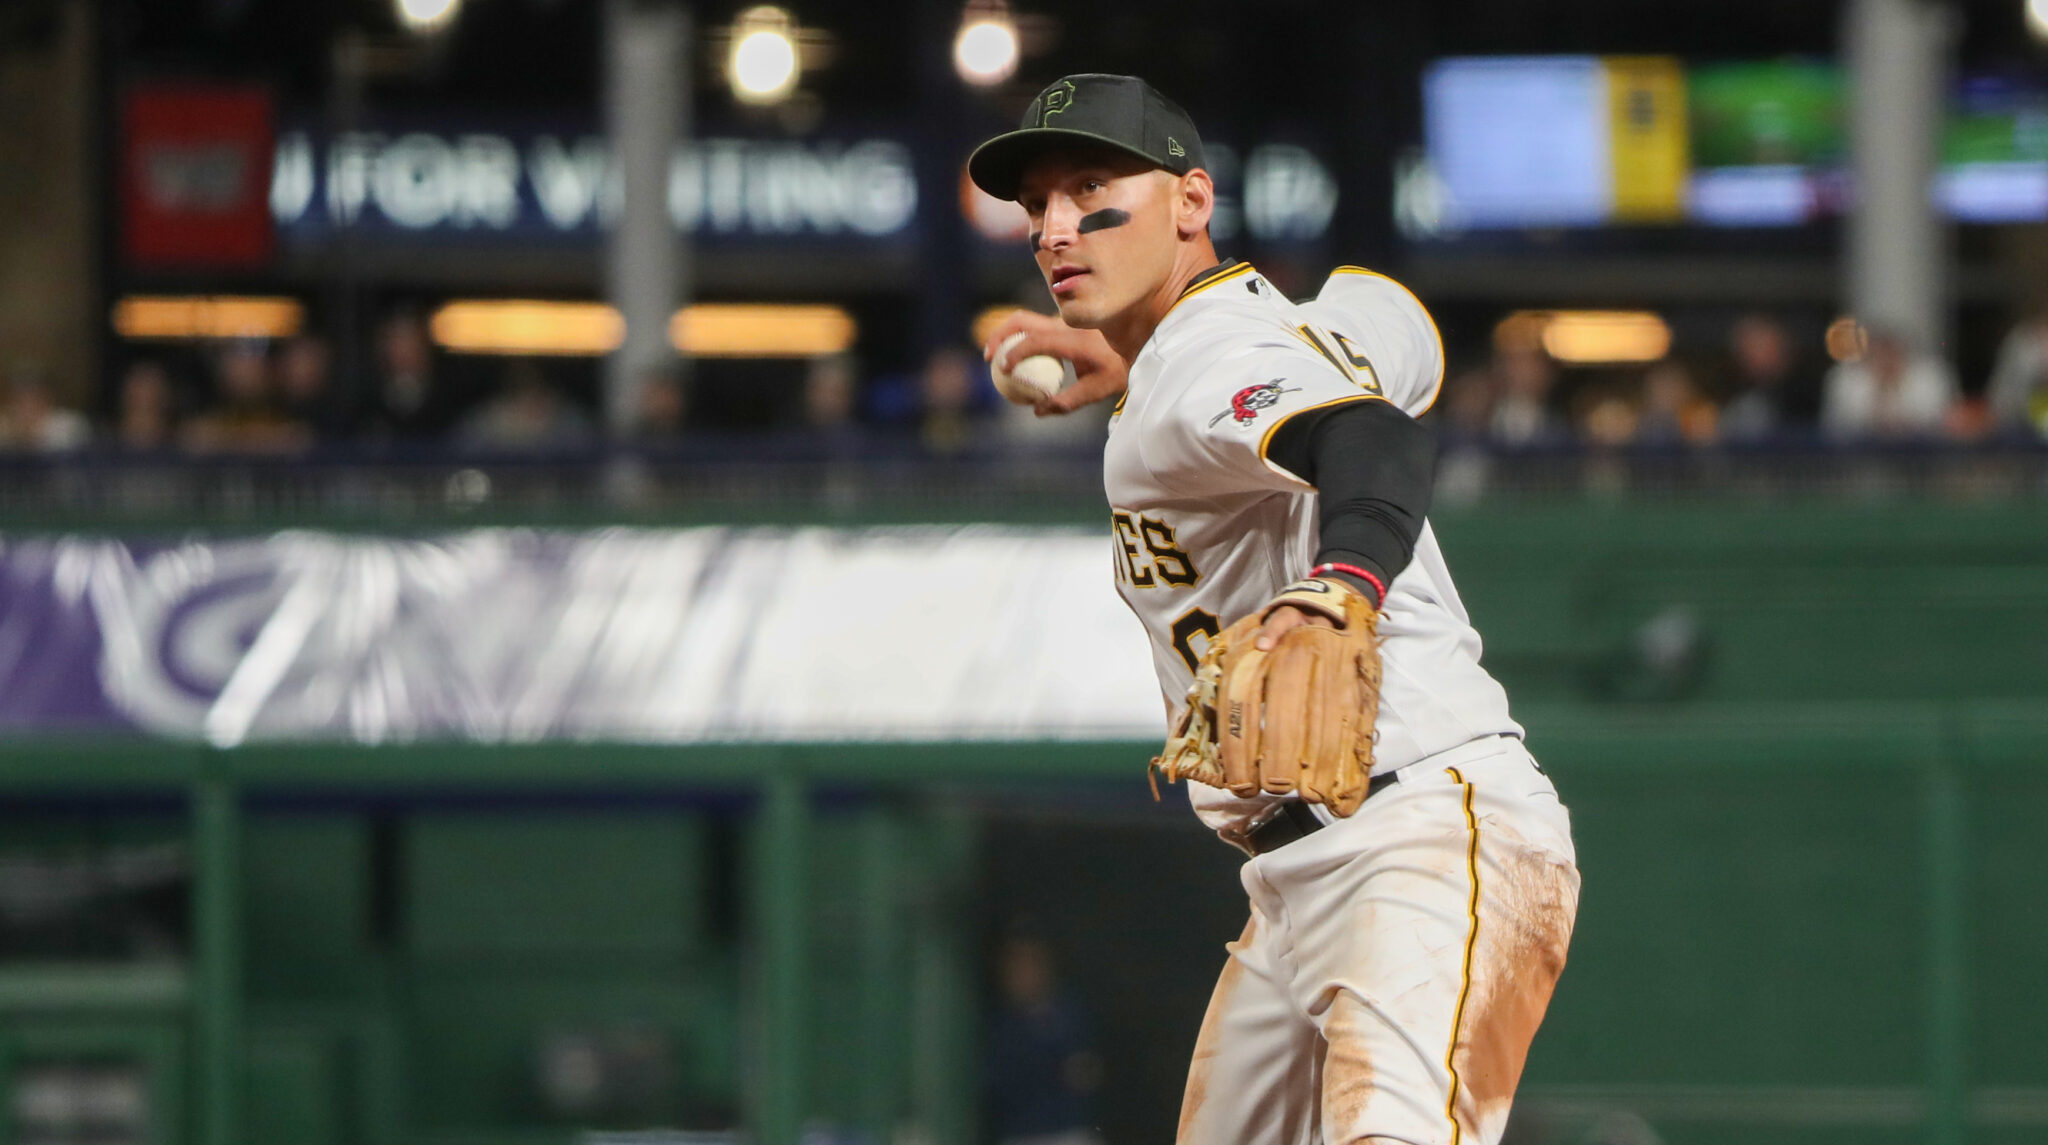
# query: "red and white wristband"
{"points": [[1354, 571]]}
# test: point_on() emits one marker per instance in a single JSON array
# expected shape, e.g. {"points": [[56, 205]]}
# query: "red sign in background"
{"points": [[195, 176]]}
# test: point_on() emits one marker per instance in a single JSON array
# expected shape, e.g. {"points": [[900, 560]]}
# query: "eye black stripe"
{"points": [[1102, 220]]}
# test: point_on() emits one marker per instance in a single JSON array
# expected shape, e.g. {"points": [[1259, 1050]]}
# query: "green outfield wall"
{"points": [[1801, 922], [1805, 747]]}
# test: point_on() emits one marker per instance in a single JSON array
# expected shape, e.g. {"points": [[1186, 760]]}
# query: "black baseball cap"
{"points": [[1122, 112]]}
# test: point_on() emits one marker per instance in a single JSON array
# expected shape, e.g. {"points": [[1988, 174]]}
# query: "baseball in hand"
{"points": [[1030, 381]]}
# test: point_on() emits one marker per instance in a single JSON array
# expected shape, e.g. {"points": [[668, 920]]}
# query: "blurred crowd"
{"points": [[283, 397], [253, 397], [1761, 386]]}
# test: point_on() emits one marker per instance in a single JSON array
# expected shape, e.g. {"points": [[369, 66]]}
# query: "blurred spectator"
{"points": [[404, 403], [942, 399], [1041, 1070], [663, 406], [1673, 412], [1608, 421], [32, 422], [528, 413], [245, 417], [1464, 427], [1768, 391], [830, 387], [947, 388], [1468, 407], [147, 414], [305, 386], [1522, 415], [1891, 393], [2018, 392]]}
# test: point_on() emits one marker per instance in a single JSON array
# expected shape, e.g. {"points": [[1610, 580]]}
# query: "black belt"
{"points": [[1294, 821]]}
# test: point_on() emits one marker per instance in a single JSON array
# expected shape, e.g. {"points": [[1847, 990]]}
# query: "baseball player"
{"points": [[1411, 872]]}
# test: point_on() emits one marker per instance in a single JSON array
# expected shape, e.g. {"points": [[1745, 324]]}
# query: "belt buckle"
{"points": [[1289, 821], [1293, 820]]}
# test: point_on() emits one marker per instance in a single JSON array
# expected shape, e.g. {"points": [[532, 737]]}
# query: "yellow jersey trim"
{"points": [[1266, 438], [1231, 275], [1471, 942], [1442, 360]]}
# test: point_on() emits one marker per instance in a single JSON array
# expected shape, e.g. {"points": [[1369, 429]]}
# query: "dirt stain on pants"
{"points": [[1529, 898], [1208, 1041]]}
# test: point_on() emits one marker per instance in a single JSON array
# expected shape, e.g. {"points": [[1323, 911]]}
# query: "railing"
{"points": [[866, 477]]}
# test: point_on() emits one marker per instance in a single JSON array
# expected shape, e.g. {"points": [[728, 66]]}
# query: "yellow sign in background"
{"points": [[1647, 137]]}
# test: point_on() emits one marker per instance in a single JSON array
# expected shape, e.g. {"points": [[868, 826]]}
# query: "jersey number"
{"points": [[1194, 622], [1361, 370]]}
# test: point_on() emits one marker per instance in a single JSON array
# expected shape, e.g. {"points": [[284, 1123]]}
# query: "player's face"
{"points": [[1102, 230]]}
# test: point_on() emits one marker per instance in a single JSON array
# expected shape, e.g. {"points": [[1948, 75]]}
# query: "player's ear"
{"points": [[1194, 203]]}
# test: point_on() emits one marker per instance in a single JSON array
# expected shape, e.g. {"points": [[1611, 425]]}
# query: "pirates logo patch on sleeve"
{"points": [[1246, 403]]}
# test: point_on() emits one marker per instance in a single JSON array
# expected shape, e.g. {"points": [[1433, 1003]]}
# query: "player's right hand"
{"points": [[1284, 619], [1098, 371]]}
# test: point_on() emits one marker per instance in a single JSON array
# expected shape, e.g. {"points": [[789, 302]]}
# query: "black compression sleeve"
{"points": [[1374, 467]]}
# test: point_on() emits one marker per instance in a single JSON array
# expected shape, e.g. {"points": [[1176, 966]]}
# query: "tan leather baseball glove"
{"points": [[1297, 718]]}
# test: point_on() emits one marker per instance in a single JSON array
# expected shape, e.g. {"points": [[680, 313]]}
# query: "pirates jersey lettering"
{"points": [[1148, 555]]}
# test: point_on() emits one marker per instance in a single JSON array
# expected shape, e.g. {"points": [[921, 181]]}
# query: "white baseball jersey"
{"points": [[1206, 529]]}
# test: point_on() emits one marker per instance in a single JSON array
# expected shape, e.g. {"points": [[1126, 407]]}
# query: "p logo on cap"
{"points": [[1056, 99], [1122, 113]]}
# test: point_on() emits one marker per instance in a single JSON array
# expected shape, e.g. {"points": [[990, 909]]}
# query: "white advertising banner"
{"points": [[645, 635]]}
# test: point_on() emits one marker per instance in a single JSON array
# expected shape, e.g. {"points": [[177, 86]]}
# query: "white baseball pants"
{"points": [[1396, 965]]}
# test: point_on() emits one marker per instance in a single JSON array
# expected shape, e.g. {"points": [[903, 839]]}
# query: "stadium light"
{"points": [[591, 329], [178, 318], [763, 64], [2037, 18], [760, 330], [985, 51], [422, 17], [527, 326], [1590, 336], [1587, 337], [985, 323]]}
